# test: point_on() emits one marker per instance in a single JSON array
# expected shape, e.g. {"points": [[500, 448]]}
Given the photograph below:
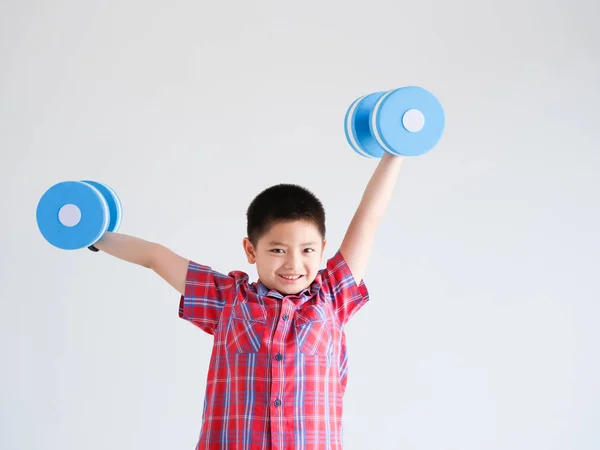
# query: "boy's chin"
{"points": [[287, 288], [292, 288]]}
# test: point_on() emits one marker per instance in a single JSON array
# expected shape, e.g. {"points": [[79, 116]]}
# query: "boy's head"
{"points": [[286, 237]]}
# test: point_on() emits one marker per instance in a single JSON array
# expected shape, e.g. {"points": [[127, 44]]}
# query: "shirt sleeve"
{"points": [[346, 296], [206, 294]]}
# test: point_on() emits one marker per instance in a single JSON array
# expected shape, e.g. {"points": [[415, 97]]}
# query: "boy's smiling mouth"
{"points": [[291, 277]]}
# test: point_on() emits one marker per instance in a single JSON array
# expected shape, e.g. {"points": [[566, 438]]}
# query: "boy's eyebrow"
{"points": [[281, 244]]}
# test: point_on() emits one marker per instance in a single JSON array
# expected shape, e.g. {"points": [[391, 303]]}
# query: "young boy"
{"points": [[278, 369]]}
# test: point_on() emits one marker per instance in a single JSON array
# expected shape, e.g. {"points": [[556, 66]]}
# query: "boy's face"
{"points": [[288, 256]]}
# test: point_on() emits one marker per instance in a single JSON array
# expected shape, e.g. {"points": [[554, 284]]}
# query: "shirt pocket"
{"points": [[313, 330], [246, 329]]}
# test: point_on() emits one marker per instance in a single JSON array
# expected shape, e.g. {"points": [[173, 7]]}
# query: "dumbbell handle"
{"points": [[92, 248]]}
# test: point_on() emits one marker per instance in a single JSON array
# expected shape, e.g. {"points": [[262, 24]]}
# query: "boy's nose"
{"points": [[293, 264]]}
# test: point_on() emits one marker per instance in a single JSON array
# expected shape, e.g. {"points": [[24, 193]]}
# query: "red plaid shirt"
{"points": [[278, 369]]}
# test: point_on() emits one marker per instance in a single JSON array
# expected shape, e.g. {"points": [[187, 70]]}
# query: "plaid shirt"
{"points": [[278, 369]]}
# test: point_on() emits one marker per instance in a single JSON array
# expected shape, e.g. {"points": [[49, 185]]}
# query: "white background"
{"points": [[482, 331]]}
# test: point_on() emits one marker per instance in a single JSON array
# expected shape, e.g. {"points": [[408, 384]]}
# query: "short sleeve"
{"points": [[206, 294], [346, 296]]}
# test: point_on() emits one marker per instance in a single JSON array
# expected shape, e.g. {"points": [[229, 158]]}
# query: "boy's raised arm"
{"points": [[166, 263], [358, 241]]}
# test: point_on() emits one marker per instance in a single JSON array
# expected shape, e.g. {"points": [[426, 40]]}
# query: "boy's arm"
{"points": [[167, 264], [358, 241]]}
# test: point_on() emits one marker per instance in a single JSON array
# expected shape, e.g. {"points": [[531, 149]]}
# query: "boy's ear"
{"points": [[249, 250]]}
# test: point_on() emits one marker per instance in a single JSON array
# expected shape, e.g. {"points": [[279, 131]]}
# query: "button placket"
{"points": [[281, 329], [277, 363]]}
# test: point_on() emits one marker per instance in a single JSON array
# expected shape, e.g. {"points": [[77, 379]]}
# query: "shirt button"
{"points": [[277, 402], [285, 317], [278, 356]]}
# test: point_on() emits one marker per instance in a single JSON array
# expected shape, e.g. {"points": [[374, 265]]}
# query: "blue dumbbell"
{"points": [[408, 121], [72, 215]]}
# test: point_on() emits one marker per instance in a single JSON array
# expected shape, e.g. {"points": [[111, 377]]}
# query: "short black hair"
{"points": [[283, 203]]}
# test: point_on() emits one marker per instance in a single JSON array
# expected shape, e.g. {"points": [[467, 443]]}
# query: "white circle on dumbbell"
{"points": [[69, 215], [413, 120]]}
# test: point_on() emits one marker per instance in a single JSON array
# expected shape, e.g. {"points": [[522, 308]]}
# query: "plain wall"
{"points": [[482, 331]]}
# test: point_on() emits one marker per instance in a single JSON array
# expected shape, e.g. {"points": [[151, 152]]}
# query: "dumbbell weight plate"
{"points": [[358, 126], [407, 121], [72, 215], [114, 204]]}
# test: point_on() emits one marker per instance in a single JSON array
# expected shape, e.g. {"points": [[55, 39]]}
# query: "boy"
{"points": [[278, 368]]}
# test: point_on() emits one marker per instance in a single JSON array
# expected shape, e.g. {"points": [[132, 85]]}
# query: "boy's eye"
{"points": [[310, 250]]}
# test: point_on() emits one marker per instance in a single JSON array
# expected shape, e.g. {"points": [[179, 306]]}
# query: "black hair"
{"points": [[283, 203]]}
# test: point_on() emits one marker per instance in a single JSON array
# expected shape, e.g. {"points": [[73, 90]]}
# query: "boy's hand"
{"points": [[169, 265], [358, 241]]}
